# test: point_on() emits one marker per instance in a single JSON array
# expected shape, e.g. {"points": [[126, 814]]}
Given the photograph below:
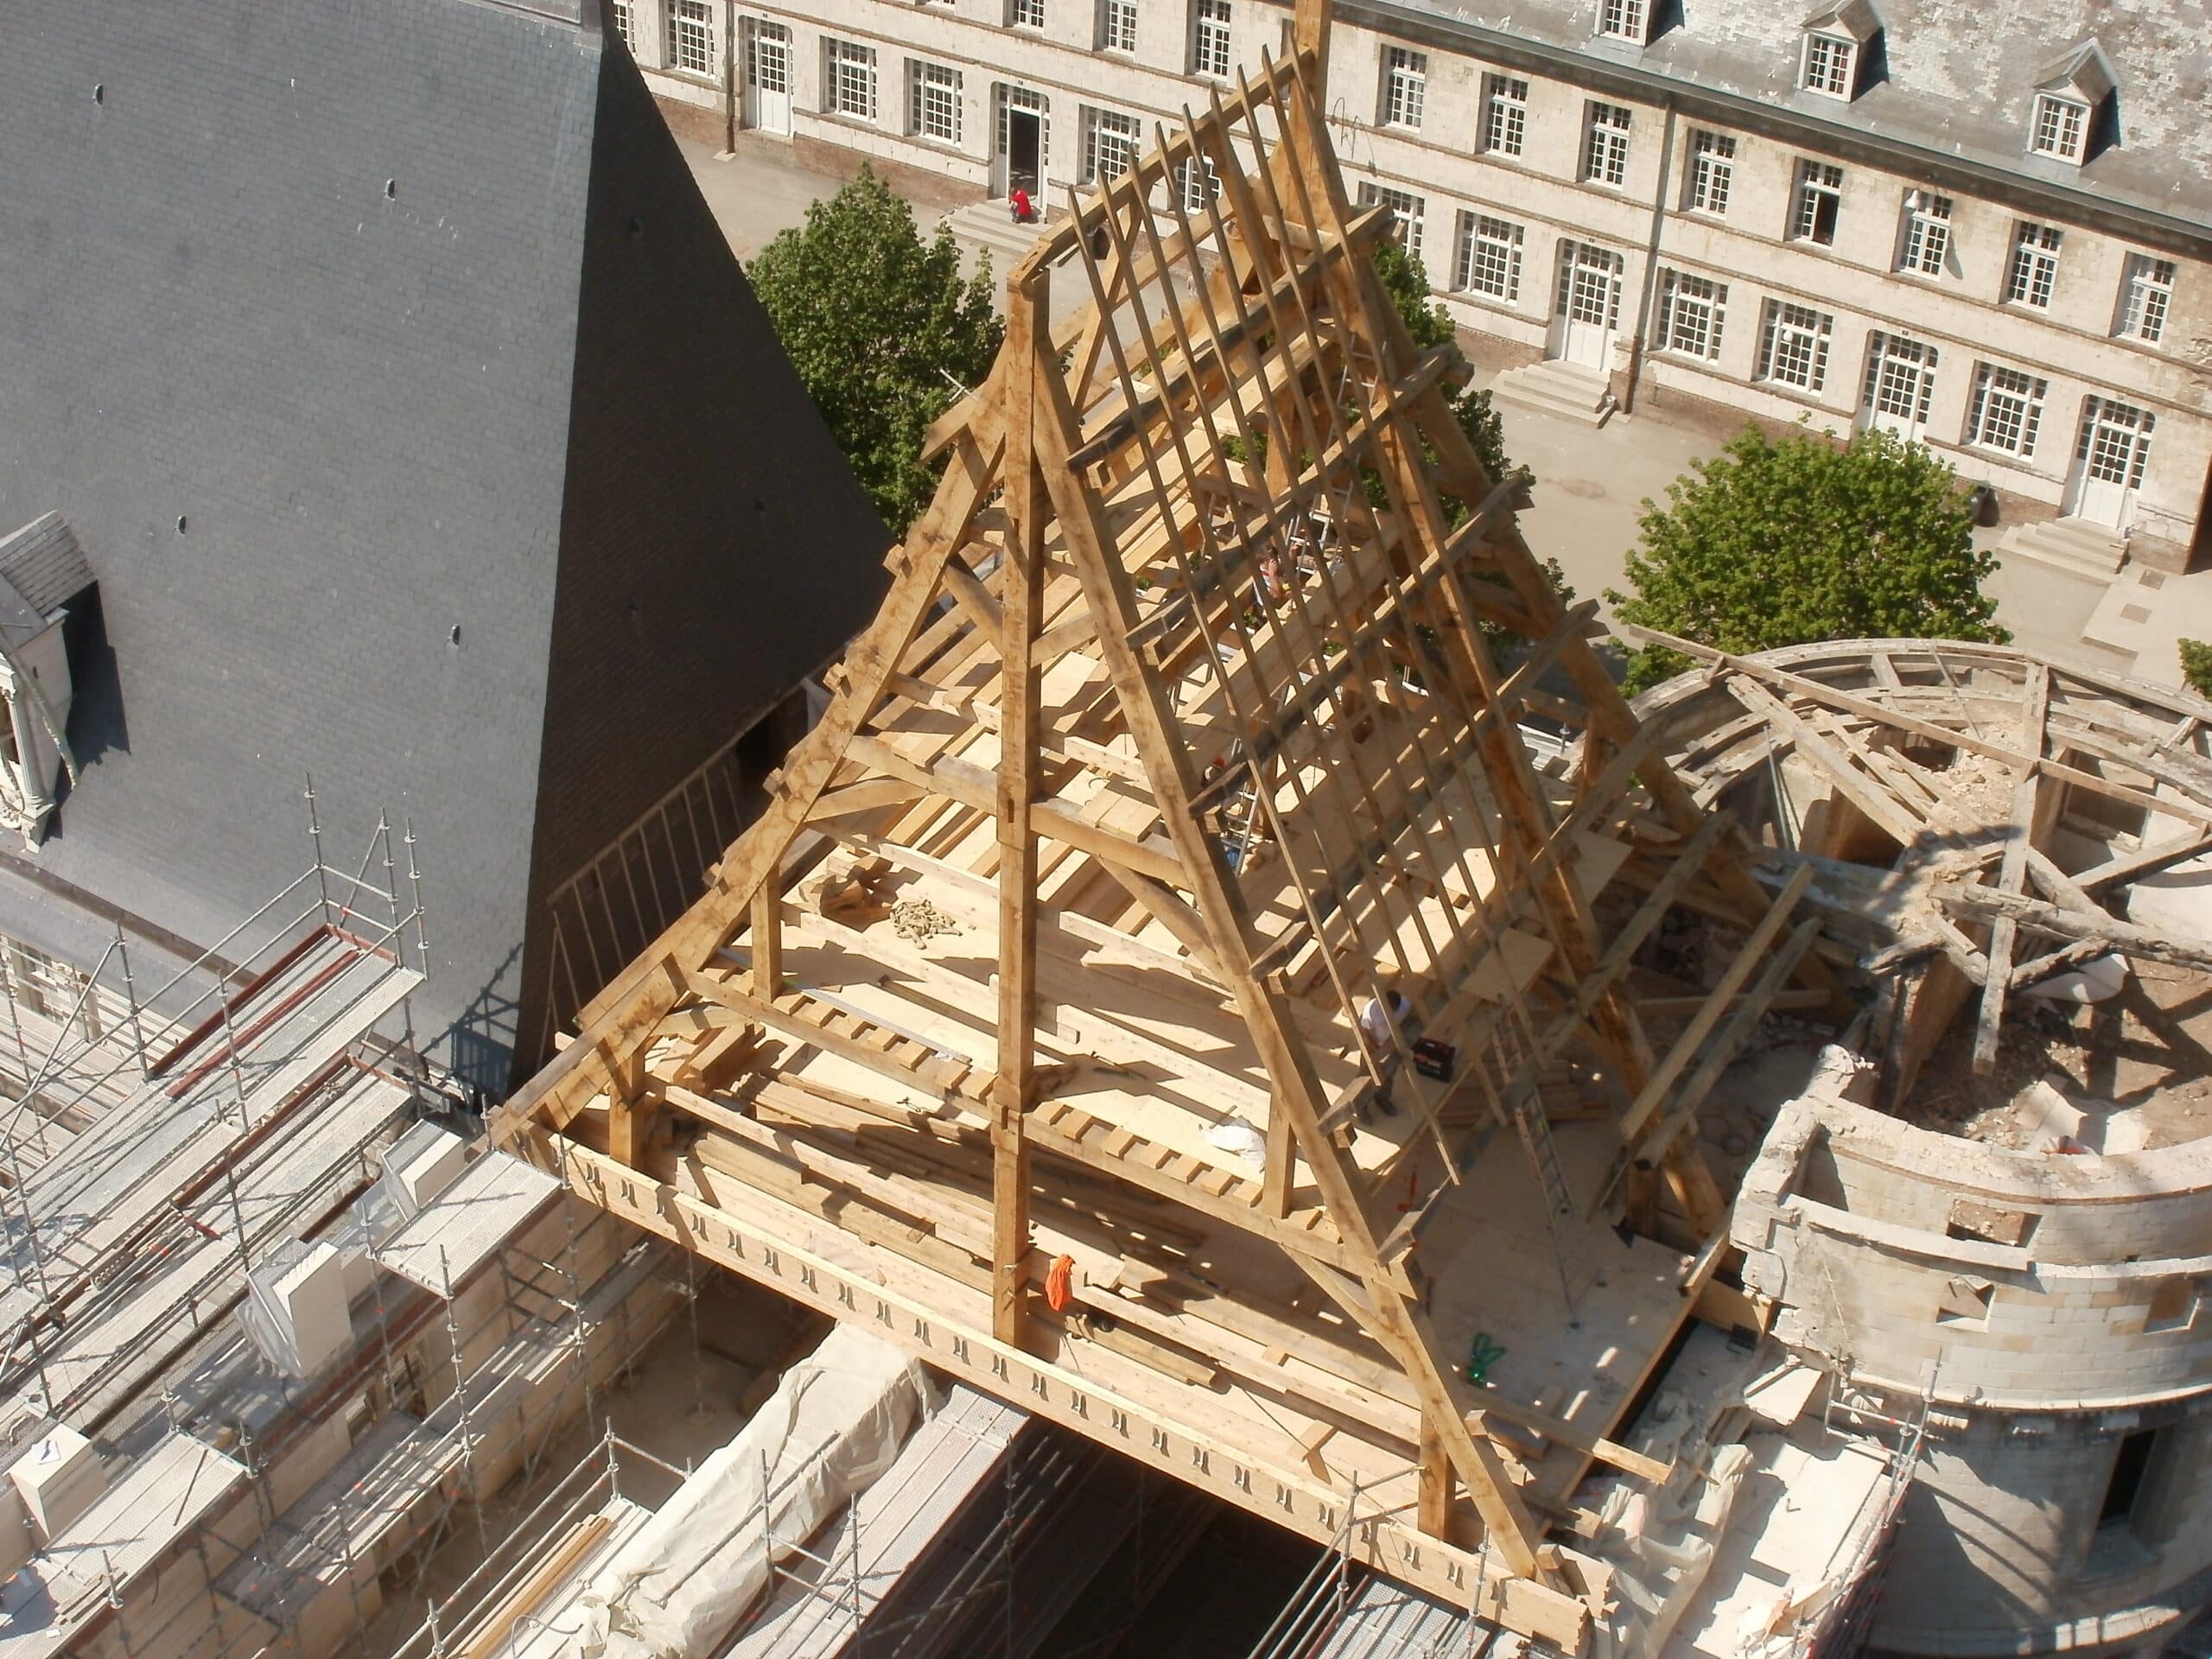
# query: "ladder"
{"points": [[1506, 1055]]}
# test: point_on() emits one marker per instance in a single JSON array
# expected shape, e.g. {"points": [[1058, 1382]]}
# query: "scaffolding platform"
{"points": [[253, 1129], [156, 1504], [465, 1225]]}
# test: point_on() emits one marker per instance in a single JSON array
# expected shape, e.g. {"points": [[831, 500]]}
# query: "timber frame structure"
{"points": [[1023, 1025]]}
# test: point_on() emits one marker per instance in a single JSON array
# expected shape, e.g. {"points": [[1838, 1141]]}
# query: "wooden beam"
{"points": [[969, 592], [767, 941], [1022, 581], [1732, 1036], [2004, 929], [866, 795], [1433, 1505], [973, 787], [1870, 794], [2144, 861], [1986, 904], [1686, 1046], [1170, 909]]}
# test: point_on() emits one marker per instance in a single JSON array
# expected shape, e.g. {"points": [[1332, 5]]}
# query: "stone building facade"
{"points": [[1988, 228]]}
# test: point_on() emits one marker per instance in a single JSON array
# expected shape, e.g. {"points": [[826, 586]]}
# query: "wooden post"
{"points": [[1281, 1155], [1309, 32], [1027, 342], [1433, 1504], [768, 937]]}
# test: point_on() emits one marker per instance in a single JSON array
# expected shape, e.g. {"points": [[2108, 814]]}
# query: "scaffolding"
{"points": [[446, 1398], [254, 1083]]}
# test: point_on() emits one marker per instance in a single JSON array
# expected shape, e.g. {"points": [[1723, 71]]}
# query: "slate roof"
{"points": [[425, 437], [1956, 79]]}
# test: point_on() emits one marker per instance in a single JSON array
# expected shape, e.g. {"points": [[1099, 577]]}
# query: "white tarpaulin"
{"points": [[833, 1424]]}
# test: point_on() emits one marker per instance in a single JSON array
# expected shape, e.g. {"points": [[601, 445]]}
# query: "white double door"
{"points": [[767, 76], [1589, 305], [2115, 447]]}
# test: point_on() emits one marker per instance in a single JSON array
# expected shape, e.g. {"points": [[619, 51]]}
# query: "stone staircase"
{"points": [[2074, 547], [1552, 387], [987, 226]]}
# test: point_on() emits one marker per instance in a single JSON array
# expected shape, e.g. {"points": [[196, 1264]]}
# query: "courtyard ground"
{"points": [[1591, 486]]}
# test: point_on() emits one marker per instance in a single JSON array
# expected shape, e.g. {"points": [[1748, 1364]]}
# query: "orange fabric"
{"points": [[1059, 1283]]}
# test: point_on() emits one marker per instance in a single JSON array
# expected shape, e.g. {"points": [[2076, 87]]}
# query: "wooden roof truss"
{"points": [[1179, 727]]}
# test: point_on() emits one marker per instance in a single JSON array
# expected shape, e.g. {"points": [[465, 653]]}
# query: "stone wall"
{"points": [[2049, 1307]]}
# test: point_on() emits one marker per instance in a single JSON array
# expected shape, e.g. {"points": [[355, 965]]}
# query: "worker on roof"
{"points": [[1381, 1025]]}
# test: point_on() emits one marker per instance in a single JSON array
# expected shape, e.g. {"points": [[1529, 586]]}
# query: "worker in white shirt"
{"points": [[1381, 1022]]}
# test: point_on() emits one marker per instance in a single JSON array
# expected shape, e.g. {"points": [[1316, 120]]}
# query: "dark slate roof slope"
{"points": [[291, 293], [1954, 77]]}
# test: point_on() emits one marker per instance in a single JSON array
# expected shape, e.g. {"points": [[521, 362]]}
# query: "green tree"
{"points": [[1784, 540], [2196, 666], [883, 330], [1406, 279]]}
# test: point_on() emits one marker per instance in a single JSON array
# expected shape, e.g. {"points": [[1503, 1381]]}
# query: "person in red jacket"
{"points": [[1025, 211]]}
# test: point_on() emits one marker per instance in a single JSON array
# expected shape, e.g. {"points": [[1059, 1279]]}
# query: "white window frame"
{"points": [[1024, 14], [848, 79], [1713, 172], [1112, 141], [1411, 210], [2060, 127], [690, 30], [1794, 346], [2146, 298], [626, 23], [1605, 145], [1817, 181], [1924, 239], [1883, 349], [1488, 261], [1505, 114], [1211, 47], [933, 101], [1117, 25], [1188, 173], [1405, 88], [1829, 65], [2031, 276], [1625, 20], [2005, 412], [1691, 312]]}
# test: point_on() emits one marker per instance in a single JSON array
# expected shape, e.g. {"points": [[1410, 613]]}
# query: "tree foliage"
{"points": [[1406, 279], [1779, 542], [2196, 665], [881, 327]]}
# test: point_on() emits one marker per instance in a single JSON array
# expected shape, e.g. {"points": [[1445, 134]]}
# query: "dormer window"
{"points": [[41, 570], [1828, 63], [1835, 48], [2061, 124], [1625, 20], [2069, 94]]}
